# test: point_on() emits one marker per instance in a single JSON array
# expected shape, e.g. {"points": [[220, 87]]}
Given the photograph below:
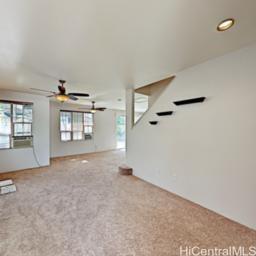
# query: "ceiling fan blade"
{"points": [[79, 94], [71, 97], [100, 109], [40, 90], [49, 96]]}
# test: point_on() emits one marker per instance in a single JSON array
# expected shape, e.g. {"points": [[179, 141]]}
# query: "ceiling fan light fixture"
{"points": [[226, 24], [62, 98], [93, 111]]}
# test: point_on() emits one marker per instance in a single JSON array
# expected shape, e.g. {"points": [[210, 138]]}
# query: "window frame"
{"points": [[23, 122], [88, 135], [72, 126], [85, 135], [66, 130], [12, 136]]}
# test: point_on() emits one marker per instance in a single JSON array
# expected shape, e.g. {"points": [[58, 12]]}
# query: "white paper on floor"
{"points": [[5, 183], [7, 186]]}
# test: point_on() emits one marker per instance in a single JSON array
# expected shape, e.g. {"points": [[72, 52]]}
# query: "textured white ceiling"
{"points": [[102, 47]]}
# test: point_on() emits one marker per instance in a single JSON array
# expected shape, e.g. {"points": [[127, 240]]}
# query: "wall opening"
{"points": [[120, 132]]}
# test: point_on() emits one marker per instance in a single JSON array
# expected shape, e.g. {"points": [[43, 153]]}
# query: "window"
{"points": [[65, 126], [5, 125], [15, 122], [22, 120], [75, 125], [88, 123]]}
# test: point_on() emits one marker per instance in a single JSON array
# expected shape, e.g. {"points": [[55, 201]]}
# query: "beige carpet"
{"points": [[85, 208]]}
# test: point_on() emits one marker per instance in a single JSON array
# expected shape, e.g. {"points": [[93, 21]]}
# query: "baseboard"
{"points": [[83, 154]]}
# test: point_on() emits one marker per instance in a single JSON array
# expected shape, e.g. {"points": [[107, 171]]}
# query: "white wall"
{"points": [[16, 159], [204, 152], [104, 137]]}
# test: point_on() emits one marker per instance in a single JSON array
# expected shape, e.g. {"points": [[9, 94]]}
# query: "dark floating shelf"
{"points": [[189, 101], [153, 122], [165, 113]]}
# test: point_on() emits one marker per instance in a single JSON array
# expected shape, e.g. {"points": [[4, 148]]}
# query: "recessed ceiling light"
{"points": [[225, 24]]}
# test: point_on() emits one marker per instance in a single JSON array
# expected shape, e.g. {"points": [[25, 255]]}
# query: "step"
{"points": [[125, 170]]}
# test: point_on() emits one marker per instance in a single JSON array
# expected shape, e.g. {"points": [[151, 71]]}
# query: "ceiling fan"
{"points": [[61, 95], [93, 109]]}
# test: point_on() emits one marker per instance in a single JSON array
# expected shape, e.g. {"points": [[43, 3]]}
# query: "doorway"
{"points": [[120, 132]]}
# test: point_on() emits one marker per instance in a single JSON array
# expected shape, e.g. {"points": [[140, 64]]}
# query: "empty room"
{"points": [[127, 128]]}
